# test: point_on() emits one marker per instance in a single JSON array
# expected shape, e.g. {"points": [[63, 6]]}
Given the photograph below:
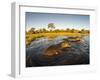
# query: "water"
{"points": [[45, 42], [77, 54]]}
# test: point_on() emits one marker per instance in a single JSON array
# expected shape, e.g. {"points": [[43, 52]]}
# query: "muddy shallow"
{"points": [[45, 52]]}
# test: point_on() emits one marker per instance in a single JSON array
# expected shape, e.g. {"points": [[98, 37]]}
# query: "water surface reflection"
{"points": [[61, 50]]}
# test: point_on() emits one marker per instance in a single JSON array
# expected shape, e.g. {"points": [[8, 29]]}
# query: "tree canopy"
{"points": [[51, 26]]}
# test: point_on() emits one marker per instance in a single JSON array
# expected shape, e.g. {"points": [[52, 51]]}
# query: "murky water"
{"points": [[78, 53]]}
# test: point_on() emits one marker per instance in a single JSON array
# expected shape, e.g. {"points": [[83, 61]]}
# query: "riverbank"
{"points": [[49, 35]]}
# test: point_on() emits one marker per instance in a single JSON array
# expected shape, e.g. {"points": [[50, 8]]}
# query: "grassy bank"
{"points": [[31, 37]]}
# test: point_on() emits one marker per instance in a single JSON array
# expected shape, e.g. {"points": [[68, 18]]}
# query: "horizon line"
{"points": [[28, 28]]}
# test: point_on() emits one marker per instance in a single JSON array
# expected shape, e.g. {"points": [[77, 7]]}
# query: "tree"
{"points": [[82, 30], [44, 30], [51, 26], [32, 30], [40, 30], [68, 30], [72, 30]]}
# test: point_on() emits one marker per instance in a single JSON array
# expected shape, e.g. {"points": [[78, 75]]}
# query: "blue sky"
{"points": [[61, 21]]}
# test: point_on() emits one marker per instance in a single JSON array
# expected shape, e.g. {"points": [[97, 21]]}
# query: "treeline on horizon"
{"points": [[51, 28]]}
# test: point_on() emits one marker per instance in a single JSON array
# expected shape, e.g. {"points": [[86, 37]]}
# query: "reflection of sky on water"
{"points": [[78, 52], [45, 42]]}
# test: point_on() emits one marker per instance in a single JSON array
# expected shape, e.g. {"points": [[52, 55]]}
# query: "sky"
{"points": [[61, 21]]}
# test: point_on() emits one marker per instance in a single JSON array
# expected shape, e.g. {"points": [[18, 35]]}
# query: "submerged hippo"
{"points": [[73, 39], [55, 50], [63, 53]]}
